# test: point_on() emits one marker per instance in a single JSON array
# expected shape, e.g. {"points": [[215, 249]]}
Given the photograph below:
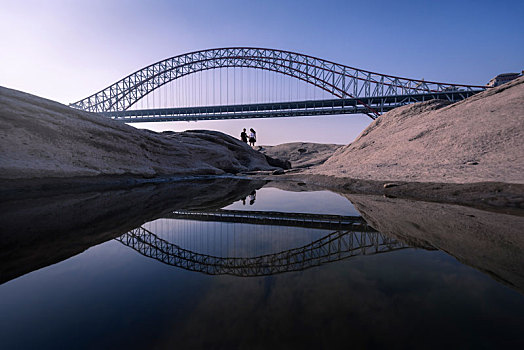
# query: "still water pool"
{"points": [[257, 267]]}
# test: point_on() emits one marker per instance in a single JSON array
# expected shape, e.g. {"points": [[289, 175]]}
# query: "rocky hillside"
{"points": [[300, 154], [40, 138], [478, 139]]}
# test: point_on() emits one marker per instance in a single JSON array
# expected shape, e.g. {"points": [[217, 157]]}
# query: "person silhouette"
{"points": [[252, 137], [243, 136], [252, 197]]}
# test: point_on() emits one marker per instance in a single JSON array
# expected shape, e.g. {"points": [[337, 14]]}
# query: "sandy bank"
{"points": [[474, 140], [40, 138]]}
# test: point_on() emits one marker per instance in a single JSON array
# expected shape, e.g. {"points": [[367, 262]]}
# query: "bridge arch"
{"points": [[335, 246], [340, 80]]}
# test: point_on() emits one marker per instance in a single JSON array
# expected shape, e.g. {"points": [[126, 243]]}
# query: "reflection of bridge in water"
{"points": [[305, 220], [351, 237]]}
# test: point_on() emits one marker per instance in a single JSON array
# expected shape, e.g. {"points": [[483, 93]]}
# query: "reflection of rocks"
{"points": [[45, 230], [490, 242], [294, 186]]}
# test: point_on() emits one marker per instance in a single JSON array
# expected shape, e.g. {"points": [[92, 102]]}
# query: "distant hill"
{"points": [[301, 154]]}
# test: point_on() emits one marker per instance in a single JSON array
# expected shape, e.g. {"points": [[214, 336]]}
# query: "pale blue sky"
{"points": [[67, 50]]}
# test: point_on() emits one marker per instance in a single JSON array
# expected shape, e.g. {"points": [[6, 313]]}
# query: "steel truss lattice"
{"points": [[332, 247], [339, 80]]}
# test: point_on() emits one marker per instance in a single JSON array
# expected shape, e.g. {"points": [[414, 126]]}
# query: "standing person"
{"points": [[243, 136], [252, 197], [252, 137]]}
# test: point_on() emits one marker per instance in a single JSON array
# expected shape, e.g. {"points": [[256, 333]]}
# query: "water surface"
{"points": [[153, 281]]}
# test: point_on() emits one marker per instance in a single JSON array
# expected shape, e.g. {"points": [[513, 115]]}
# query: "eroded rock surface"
{"points": [[301, 154], [40, 138], [474, 140]]}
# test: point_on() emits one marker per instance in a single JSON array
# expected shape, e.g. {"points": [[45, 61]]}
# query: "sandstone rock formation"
{"points": [[301, 154], [40, 138], [477, 139]]}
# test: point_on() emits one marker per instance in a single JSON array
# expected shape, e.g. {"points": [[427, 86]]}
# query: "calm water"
{"points": [[121, 270]]}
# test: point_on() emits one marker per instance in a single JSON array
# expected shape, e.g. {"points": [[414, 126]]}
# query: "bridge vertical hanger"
{"points": [[367, 93]]}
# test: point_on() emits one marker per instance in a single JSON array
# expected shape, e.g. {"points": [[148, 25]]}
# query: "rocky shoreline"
{"points": [[492, 196], [468, 153]]}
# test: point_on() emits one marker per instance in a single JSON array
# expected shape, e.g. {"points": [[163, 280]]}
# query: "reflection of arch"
{"points": [[333, 247], [339, 80]]}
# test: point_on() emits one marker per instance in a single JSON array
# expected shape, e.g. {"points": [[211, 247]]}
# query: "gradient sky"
{"points": [[67, 50]]}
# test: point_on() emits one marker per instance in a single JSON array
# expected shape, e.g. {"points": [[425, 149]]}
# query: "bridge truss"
{"points": [[352, 238], [355, 86]]}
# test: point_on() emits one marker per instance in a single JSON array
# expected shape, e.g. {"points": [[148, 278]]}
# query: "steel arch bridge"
{"points": [[354, 90]]}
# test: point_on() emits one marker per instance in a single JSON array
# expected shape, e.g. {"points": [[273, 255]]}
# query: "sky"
{"points": [[66, 50]]}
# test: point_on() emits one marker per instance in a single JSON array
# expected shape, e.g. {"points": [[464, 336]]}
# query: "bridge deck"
{"points": [[306, 220], [380, 104]]}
